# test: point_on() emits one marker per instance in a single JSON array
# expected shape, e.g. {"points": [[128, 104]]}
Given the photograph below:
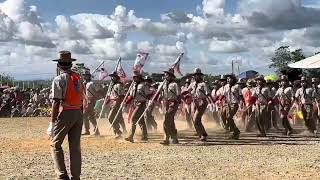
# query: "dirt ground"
{"points": [[25, 154]]}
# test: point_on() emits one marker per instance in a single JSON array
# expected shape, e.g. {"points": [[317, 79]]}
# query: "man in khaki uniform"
{"points": [[221, 103], [316, 89], [67, 117], [116, 97], [285, 96], [171, 99], [139, 94], [263, 98], [149, 118], [91, 99], [305, 96], [233, 96], [200, 94], [187, 106]]}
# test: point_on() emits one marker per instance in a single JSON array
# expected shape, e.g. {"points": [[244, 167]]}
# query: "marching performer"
{"points": [[200, 94], [187, 105], [149, 118], [92, 96], [305, 96], [263, 98], [233, 98], [116, 96], [139, 94], [171, 99], [285, 96]]}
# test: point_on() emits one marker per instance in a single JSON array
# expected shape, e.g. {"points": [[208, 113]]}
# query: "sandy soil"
{"points": [[25, 154]]}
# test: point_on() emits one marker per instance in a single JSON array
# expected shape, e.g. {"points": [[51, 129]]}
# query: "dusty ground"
{"points": [[24, 154]]}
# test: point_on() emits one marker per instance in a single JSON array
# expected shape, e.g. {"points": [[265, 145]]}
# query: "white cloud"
{"points": [[229, 46]]}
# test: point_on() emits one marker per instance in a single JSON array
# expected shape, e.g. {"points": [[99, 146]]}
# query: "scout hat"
{"points": [[114, 74], [65, 56], [170, 71], [197, 71]]}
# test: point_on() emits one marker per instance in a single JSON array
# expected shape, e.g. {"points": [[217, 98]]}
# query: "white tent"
{"points": [[312, 62]]}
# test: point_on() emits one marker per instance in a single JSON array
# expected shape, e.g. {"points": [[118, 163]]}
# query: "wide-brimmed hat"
{"points": [[260, 77], [241, 81], [223, 77], [137, 74], [170, 71], [197, 71], [314, 80], [86, 73], [283, 78], [65, 56], [114, 74], [148, 79]]}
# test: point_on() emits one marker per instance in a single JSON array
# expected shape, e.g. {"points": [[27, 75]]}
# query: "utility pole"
{"points": [[232, 64]]}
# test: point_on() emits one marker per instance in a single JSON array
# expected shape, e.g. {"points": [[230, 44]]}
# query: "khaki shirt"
{"points": [[263, 95], [171, 91], [91, 90], [317, 94], [232, 94], [285, 95], [199, 90], [305, 96], [140, 92], [117, 91]]}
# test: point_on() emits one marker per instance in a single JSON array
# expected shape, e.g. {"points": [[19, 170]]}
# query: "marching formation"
{"points": [[260, 102]]}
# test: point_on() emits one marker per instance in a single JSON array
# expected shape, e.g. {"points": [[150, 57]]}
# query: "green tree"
{"points": [[282, 57]]}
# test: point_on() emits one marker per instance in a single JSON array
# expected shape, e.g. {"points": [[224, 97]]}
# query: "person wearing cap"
{"points": [[200, 94], [67, 117], [170, 96], [116, 96], [222, 105], [233, 97], [285, 97], [139, 94], [92, 96], [304, 97], [187, 105], [149, 118]]}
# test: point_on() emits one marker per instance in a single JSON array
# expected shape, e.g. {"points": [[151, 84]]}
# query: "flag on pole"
{"points": [[103, 74], [140, 60], [176, 64], [120, 71]]}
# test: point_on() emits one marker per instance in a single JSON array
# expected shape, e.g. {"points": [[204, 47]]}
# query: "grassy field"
{"points": [[25, 154]]}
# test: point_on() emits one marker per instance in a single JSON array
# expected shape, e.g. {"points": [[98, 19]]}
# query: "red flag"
{"points": [[176, 65], [103, 74], [140, 60], [121, 72]]}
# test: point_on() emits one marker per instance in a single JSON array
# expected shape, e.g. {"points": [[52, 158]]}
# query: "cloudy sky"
{"points": [[212, 33]]}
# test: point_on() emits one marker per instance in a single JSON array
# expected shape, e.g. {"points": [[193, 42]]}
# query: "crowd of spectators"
{"points": [[16, 102]]}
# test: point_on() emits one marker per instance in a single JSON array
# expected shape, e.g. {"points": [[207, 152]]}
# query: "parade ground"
{"points": [[25, 154]]}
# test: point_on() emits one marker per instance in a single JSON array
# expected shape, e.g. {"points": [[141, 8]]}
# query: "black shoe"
{"points": [[118, 136], [203, 138], [290, 132], [86, 133], [175, 141], [262, 135], [235, 135], [130, 139], [144, 138], [165, 142]]}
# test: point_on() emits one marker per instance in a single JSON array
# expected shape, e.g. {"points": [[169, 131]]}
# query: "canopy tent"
{"points": [[312, 62], [248, 74]]}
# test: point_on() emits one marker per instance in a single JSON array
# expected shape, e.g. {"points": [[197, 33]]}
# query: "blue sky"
{"points": [[212, 33]]}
